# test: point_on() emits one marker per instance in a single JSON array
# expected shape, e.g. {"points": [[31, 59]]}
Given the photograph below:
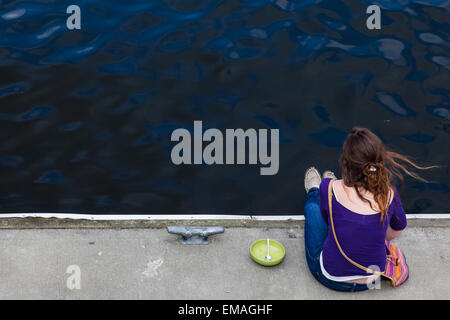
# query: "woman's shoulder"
{"points": [[396, 195], [394, 191], [324, 185]]}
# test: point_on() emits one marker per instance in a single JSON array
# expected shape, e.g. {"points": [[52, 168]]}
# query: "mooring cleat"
{"points": [[195, 235]]}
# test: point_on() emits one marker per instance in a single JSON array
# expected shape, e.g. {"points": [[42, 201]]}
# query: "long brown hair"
{"points": [[367, 164]]}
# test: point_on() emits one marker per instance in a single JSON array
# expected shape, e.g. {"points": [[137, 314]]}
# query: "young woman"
{"points": [[366, 211]]}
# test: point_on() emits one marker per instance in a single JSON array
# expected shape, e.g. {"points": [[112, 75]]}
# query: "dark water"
{"points": [[86, 115]]}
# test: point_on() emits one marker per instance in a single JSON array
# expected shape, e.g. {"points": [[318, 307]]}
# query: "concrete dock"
{"points": [[141, 260]]}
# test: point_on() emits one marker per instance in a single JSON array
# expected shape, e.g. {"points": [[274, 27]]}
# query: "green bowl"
{"points": [[258, 252]]}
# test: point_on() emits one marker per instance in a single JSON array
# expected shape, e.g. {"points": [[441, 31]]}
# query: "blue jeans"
{"points": [[316, 231]]}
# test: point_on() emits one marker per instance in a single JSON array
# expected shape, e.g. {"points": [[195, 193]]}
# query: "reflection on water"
{"points": [[86, 116]]}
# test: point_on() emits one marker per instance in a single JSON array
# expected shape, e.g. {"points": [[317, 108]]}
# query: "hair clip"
{"points": [[372, 168]]}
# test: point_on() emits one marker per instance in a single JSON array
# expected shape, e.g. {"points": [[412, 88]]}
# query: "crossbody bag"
{"points": [[396, 268]]}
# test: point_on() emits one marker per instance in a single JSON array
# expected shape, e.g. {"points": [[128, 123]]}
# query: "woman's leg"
{"points": [[316, 229]]}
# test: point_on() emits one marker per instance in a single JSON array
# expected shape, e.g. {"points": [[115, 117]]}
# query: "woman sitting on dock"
{"points": [[366, 210]]}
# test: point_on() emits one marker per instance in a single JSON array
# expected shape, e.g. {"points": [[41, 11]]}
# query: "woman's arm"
{"points": [[398, 220], [391, 233]]}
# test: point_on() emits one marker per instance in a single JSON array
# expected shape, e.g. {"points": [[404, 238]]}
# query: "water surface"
{"points": [[86, 115]]}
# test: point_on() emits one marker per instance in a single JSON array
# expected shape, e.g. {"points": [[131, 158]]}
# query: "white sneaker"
{"points": [[328, 174], [312, 178]]}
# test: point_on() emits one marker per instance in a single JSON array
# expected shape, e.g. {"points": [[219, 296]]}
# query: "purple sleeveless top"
{"points": [[361, 236]]}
